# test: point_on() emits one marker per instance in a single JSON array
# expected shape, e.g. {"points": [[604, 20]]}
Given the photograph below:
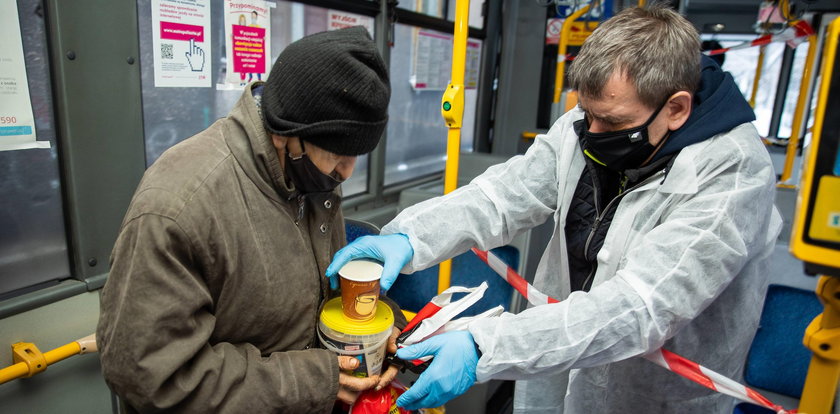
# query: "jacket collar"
{"points": [[637, 174], [253, 149], [681, 173]]}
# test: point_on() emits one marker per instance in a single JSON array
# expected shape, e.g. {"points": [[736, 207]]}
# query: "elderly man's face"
{"points": [[339, 167], [619, 108]]}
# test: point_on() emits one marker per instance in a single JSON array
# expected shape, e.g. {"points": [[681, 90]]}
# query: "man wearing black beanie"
{"points": [[217, 274]]}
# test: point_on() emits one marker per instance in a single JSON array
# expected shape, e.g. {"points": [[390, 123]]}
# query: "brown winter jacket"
{"points": [[216, 279]]}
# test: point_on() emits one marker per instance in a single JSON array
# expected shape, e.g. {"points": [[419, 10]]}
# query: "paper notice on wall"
{"points": [[181, 43], [247, 42], [337, 19], [472, 64], [432, 61], [17, 124]]}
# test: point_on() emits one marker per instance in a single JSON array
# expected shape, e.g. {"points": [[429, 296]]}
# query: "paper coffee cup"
{"points": [[360, 289]]}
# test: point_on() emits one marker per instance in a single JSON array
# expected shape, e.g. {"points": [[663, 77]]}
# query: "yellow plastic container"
{"points": [[364, 340]]}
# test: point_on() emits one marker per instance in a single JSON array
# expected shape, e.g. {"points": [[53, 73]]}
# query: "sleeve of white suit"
{"points": [[490, 211], [679, 267]]}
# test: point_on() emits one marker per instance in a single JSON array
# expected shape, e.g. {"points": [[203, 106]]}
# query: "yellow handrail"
{"points": [[562, 46], [758, 68], [798, 127], [452, 110], [30, 361]]}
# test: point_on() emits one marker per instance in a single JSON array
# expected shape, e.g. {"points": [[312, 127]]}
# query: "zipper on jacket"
{"points": [[600, 217], [596, 192], [595, 196], [623, 183]]}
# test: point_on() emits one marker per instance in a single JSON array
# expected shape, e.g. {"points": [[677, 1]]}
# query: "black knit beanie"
{"points": [[330, 89]]}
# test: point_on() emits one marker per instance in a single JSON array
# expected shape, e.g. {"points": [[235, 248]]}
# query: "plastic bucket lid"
{"points": [[333, 318]]}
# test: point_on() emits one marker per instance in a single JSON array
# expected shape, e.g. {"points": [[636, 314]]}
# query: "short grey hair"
{"points": [[654, 47]]}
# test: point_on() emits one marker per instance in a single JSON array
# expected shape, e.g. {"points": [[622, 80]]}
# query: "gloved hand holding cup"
{"points": [[393, 250]]}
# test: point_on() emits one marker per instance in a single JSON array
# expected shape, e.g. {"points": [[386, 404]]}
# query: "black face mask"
{"points": [[618, 150], [306, 177]]}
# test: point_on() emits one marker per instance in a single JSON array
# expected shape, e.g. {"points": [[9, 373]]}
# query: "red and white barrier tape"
{"points": [[792, 35], [795, 31], [664, 358], [711, 379], [534, 296]]}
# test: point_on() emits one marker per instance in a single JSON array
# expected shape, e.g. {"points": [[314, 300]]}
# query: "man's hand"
{"points": [[391, 372], [349, 386], [451, 373], [393, 250]]}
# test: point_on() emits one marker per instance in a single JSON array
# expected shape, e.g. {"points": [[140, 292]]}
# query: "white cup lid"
{"points": [[361, 271]]}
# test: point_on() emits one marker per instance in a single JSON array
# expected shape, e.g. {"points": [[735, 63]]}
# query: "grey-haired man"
{"points": [[662, 197]]}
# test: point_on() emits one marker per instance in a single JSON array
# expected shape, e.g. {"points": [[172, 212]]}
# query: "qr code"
{"points": [[166, 51]]}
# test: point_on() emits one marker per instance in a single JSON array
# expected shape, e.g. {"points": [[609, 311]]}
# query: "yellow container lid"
{"points": [[333, 317]]}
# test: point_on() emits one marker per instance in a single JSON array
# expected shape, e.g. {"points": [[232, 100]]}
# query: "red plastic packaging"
{"points": [[383, 401]]}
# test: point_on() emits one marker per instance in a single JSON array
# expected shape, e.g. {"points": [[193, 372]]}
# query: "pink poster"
{"points": [[248, 49], [247, 41]]}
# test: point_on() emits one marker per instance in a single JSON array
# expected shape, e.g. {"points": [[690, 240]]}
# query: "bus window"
{"points": [[420, 70], [33, 243], [741, 64]]}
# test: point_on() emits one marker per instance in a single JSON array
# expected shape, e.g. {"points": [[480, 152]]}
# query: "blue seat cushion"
{"points": [[778, 362], [414, 291], [354, 230]]}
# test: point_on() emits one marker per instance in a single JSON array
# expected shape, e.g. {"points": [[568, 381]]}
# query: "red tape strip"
{"points": [[688, 369]]}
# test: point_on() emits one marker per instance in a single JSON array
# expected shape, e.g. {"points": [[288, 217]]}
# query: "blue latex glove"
{"points": [[393, 250], [450, 374]]}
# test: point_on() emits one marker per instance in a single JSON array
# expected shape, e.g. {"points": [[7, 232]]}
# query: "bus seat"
{"points": [[777, 361]]}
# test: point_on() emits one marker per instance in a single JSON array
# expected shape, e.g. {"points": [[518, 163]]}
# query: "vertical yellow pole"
{"points": [[452, 110], [798, 126], [758, 68], [562, 46]]}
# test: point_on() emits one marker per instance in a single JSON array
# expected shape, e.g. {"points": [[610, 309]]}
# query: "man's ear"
{"points": [[279, 142], [678, 109]]}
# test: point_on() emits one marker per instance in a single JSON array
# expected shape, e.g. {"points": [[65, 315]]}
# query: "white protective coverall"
{"points": [[683, 267]]}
